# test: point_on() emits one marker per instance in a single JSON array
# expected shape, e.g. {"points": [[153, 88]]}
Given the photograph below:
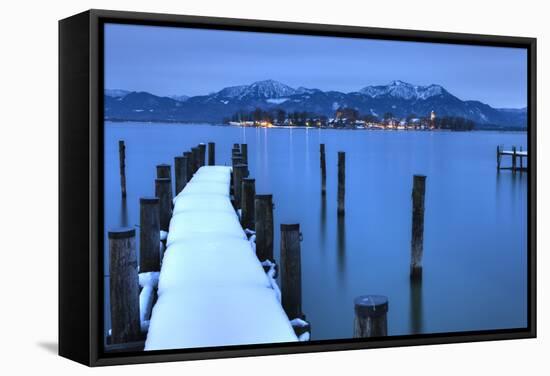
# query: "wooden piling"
{"points": [[211, 153], [323, 170], [195, 159], [263, 217], [202, 154], [370, 316], [123, 286], [180, 170], [341, 182], [514, 158], [291, 270], [417, 236], [521, 158], [149, 234], [247, 203], [499, 156], [244, 153], [122, 159], [238, 175], [164, 171], [189, 156], [163, 190]]}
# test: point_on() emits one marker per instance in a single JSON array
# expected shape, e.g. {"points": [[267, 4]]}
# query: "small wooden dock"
{"points": [[516, 155]]}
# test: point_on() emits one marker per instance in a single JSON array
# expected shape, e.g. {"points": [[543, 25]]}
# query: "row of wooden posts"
{"points": [[514, 156], [371, 310]]}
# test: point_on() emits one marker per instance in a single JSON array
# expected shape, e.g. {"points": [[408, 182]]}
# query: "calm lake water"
{"points": [[475, 240]]}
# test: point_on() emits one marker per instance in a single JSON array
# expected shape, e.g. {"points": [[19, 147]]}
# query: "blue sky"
{"points": [[167, 61]]}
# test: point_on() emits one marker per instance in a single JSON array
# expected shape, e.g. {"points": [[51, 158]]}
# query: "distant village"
{"points": [[348, 118]]}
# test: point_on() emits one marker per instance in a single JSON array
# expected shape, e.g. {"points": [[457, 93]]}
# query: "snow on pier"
{"points": [[212, 289]]}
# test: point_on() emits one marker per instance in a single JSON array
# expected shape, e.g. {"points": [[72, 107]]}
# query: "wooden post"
{"points": [[149, 234], [202, 154], [180, 170], [211, 153], [323, 170], [237, 146], [195, 159], [521, 158], [164, 171], [163, 190], [244, 153], [263, 216], [247, 205], [238, 175], [236, 159], [514, 158], [498, 157], [341, 182], [291, 270], [417, 236], [370, 316], [189, 156], [124, 286], [122, 158]]}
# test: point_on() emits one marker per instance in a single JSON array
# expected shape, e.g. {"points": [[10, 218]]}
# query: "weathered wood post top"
{"points": [[370, 316]]}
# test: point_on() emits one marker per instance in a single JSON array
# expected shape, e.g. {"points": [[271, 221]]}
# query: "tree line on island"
{"points": [[347, 118]]}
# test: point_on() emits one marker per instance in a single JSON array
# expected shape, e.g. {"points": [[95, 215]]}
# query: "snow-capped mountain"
{"points": [[116, 93], [179, 98], [403, 90], [399, 98]]}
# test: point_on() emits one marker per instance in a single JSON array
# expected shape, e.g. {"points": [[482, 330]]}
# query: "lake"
{"points": [[475, 239]]}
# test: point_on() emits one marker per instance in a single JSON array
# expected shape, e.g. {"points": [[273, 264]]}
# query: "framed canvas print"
{"points": [[238, 187]]}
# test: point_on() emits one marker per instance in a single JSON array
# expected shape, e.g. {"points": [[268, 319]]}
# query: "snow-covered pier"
{"points": [[515, 154], [212, 289]]}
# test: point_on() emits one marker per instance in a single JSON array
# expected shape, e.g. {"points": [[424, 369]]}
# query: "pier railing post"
{"points": [[195, 159], [149, 234], [247, 204], [202, 154], [189, 168], [263, 216], [244, 153], [341, 182], [323, 170], [164, 171], [498, 157], [163, 190], [417, 233], [122, 160], [123, 286], [211, 153], [238, 175], [291, 270], [180, 170], [521, 158], [514, 158], [370, 316]]}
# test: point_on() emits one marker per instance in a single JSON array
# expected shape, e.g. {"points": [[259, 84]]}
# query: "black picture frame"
{"points": [[80, 179]]}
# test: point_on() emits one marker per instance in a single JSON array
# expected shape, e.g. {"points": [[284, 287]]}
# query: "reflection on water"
{"points": [[475, 220]]}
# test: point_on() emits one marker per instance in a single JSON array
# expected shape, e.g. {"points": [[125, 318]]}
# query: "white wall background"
{"points": [[28, 200]]}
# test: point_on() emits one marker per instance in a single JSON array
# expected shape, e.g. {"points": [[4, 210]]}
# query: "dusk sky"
{"points": [[176, 61]]}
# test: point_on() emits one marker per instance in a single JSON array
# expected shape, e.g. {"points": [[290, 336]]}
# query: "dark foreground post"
{"points": [[238, 175], [163, 190], [163, 171], [291, 270], [263, 215], [149, 234], [323, 170], [122, 158], [202, 154], [244, 153], [211, 153], [341, 182], [498, 157], [417, 236], [370, 316], [180, 170], [247, 205], [189, 156], [124, 286], [195, 159]]}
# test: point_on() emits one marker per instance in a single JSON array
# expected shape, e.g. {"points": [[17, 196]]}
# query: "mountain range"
{"points": [[399, 98]]}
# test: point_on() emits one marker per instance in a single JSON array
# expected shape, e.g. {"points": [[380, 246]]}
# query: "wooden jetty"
{"points": [[516, 155]]}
